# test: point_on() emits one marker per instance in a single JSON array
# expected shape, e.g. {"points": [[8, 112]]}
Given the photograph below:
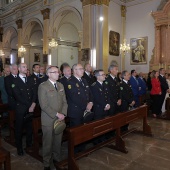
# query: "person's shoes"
{"points": [[47, 168], [20, 152]]}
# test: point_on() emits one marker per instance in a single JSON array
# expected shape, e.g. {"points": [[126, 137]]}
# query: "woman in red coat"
{"points": [[155, 93]]}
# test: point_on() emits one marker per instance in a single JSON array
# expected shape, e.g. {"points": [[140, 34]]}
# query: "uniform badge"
{"points": [[35, 79], [69, 86], [100, 89], [121, 88], [106, 82], [77, 85], [13, 85]]}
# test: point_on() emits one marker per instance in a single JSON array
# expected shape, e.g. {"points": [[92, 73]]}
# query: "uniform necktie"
{"points": [[81, 82], [55, 85], [25, 79]]}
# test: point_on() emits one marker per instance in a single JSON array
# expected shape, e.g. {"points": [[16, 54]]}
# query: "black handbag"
{"points": [[88, 116], [28, 116]]}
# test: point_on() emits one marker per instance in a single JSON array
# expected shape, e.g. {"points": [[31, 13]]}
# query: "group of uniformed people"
{"points": [[76, 91]]}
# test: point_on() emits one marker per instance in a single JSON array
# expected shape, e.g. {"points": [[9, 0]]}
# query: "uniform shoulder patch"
{"points": [[106, 82], [13, 85], [121, 88], [93, 84]]}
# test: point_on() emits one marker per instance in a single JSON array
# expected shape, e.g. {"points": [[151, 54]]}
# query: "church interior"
{"points": [[133, 34]]}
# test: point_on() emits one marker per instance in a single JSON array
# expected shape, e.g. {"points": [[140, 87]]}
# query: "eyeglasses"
{"points": [[102, 75], [79, 68], [54, 72]]}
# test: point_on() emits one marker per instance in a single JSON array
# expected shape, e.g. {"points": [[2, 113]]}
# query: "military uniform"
{"points": [[100, 99], [89, 78], [42, 78], [78, 96], [114, 92], [25, 94], [64, 81], [11, 100], [51, 102], [126, 95]]}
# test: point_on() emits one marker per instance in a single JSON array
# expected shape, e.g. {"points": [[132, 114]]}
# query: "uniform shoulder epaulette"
{"points": [[93, 84]]}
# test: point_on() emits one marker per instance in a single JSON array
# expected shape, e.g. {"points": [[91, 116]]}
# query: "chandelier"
{"points": [[22, 49], [1, 53], [53, 43], [125, 48]]}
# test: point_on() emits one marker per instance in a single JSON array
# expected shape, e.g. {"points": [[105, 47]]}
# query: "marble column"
{"points": [[157, 45], [19, 27], [46, 16], [95, 32]]}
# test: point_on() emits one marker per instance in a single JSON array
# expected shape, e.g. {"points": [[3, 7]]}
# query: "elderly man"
{"points": [[53, 105], [25, 95], [8, 82]]}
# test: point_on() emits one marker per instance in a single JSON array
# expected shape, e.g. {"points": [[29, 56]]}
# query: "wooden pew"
{"points": [[86, 132]]}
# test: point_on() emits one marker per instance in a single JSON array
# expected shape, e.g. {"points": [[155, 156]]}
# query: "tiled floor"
{"points": [[144, 153]]}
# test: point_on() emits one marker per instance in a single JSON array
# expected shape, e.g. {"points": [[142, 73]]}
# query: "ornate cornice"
{"points": [[19, 23], [45, 13], [95, 2]]}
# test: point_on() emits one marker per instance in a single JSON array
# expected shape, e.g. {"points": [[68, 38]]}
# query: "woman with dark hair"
{"points": [[148, 82], [119, 76], [155, 93]]}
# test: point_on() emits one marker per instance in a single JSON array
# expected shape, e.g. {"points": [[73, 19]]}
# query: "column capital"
{"points": [[158, 27], [95, 2], [45, 13], [19, 23], [123, 11]]}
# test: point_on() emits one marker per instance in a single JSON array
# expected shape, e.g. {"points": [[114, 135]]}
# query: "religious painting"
{"points": [[114, 43], [45, 58], [85, 54], [139, 50], [7, 61], [36, 57]]}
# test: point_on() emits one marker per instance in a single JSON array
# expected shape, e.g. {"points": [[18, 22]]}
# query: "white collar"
{"points": [[78, 78], [87, 73], [100, 82], [52, 82], [113, 77], [125, 81]]}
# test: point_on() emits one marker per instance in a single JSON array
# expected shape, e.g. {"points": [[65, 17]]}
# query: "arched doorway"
{"points": [[33, 36], [67, 26]]}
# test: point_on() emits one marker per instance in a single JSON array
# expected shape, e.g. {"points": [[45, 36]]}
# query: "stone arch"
{"points": [[28, 27], [9, 34]]}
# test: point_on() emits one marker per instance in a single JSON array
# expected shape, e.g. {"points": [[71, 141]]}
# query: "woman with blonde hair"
{"points": [[155, 93]]}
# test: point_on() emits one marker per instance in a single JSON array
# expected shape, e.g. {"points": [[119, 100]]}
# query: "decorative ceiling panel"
{"points": [[130, 2]]}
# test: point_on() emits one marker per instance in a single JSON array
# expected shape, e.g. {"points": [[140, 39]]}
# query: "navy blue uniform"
{"points": [[25, 94], [11, 100], [89, 78], [114, 94], [78, 96], [100, 99]]}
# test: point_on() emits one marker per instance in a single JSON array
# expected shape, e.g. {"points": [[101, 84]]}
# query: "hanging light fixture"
{"points": [[125, 48], [53, 43], [22, 49]]}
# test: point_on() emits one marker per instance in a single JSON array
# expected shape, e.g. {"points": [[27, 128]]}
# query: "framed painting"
{"points": [[138, 50], [7, 61], [36, 57], [85, 53], [114, 43]]}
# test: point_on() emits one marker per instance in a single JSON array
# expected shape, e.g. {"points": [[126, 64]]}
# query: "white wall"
{"points": [[140, 23], [114, 25]]}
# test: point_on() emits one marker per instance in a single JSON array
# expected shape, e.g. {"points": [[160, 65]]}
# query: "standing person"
{"points": [[53, 105], [100, 93], [36, 73], [126, 95], [156, 93], [79, 96], [43, 76], [135, 86], [25, 95], [114, 90], [164, 87], [8, 83], [88, 74]]}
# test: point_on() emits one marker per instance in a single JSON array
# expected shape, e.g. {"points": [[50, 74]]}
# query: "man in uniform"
{"points": [[25, 95], [53, 104], [126, 95], [8, 82], [43, 77], [114, 89], [36, 73], [79, 96], [101, 98], [88, 74]]}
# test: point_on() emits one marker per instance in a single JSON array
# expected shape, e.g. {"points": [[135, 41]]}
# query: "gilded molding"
{"points": [[45, 13], [95, 2], [123, 11], [19, 23]]}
